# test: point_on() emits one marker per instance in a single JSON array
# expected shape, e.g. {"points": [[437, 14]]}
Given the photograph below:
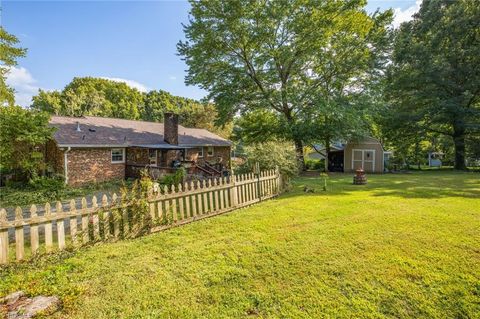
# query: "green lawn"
{"points": [[403, 246]]}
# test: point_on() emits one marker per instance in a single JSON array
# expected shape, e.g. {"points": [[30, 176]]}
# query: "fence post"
{"points": [[200, 198], [279, 180], [60, 226], [205, 197], [85, 230], [73, 222], [3, 237], [216, 193], [233, 191], [116, 216], [125, 214], [34, 230], [222, 199], [194, 199], [166, 203], [259, 185], [19, 238], [48, 228], [181, 210], [95, 219], [187, 187], [105, 217], [174, 205], [211, 209]]}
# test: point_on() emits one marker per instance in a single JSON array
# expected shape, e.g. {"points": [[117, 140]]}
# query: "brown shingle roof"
{"points": [[103, 131]]}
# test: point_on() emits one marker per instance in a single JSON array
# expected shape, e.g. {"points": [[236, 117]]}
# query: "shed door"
{"points": [[363, 159], [357, 159], [369, 160]]}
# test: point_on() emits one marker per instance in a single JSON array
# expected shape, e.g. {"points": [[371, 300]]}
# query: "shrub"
{"points": [[314, 164], [396, 163], [22, 133], [50, 187], [135, 199], [47, 184], [269, 155], [174, 179]]}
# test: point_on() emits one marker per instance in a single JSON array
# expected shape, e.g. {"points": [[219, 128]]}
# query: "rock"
{"points": [[40, 304], [12, 298], [18, 306], [307, 189]]}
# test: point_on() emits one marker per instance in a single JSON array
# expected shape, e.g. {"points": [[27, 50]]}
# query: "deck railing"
{"points": [[27, 234]]}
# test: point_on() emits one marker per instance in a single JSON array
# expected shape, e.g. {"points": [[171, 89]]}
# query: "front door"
{"points": [[363, 159]]}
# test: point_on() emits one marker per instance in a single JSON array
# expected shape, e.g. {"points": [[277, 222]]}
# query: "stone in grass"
{"points": [[12, 298], [307, 189], [18, 306]]}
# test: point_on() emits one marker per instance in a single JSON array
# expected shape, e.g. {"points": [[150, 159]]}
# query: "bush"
{"points": [[22, 133], [269, 155], [50, 187], [47, 184], [174, 179], [396, 163], [314, 164]]}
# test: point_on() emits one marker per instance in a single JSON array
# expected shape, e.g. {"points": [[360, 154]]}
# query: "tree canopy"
{"points": [[9, 53], [434, 80], [103, 97], [287, 58], [21, 134], [92, 96]]}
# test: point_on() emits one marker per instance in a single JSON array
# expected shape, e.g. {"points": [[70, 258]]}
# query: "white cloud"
{"points": [[131, 83], [405, 15], [24, 84], [172, 77]]}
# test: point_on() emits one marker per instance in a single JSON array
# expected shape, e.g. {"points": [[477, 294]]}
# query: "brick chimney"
{"points": [[170, 127]]}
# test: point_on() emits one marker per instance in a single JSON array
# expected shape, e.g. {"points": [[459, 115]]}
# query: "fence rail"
{"points": [[113, 218]]}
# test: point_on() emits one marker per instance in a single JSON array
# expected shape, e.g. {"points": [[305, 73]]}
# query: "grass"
{"points": [[22, 196], [403, 246]]}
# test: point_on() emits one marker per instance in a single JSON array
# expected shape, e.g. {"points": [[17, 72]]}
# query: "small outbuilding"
{"points": [[367, 153]]}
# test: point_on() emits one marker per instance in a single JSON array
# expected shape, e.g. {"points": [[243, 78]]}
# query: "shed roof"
{"points": [[104, 131]]}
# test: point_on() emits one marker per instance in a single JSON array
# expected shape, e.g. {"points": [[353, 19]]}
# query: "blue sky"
{"points": [[127, 41]]}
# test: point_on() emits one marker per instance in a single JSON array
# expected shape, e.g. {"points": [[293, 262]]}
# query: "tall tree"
{"points": [[274, 55], [192, 113], [21, 133], [434, 80], [92, 96], [9, 54], [102, 97]]}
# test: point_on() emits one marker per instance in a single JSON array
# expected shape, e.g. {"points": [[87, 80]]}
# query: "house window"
{"points": [[210, 151], [200, 152], [118, 155], [152, 156]]}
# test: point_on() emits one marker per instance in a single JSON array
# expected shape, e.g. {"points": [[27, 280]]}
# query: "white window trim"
{"points": [[200, 154], [123, 156], [363, 158], [213, 151]]}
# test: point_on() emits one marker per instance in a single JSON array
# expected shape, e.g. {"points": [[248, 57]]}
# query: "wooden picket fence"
{"points": [[112, 218]]}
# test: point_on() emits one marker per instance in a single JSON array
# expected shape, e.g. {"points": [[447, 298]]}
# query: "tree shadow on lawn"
{"points": [[413, 185]]}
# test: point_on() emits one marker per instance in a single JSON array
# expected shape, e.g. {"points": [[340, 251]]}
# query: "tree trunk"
{"points": [[300, 157], [459, 142], [327, 151], [417, 155]]}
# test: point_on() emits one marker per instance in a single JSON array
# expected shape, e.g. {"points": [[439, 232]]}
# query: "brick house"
{"points": [[96, 149]]}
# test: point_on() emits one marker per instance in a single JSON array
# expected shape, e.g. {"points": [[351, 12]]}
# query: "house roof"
{"points": [[111, 132], [336, 146]]}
